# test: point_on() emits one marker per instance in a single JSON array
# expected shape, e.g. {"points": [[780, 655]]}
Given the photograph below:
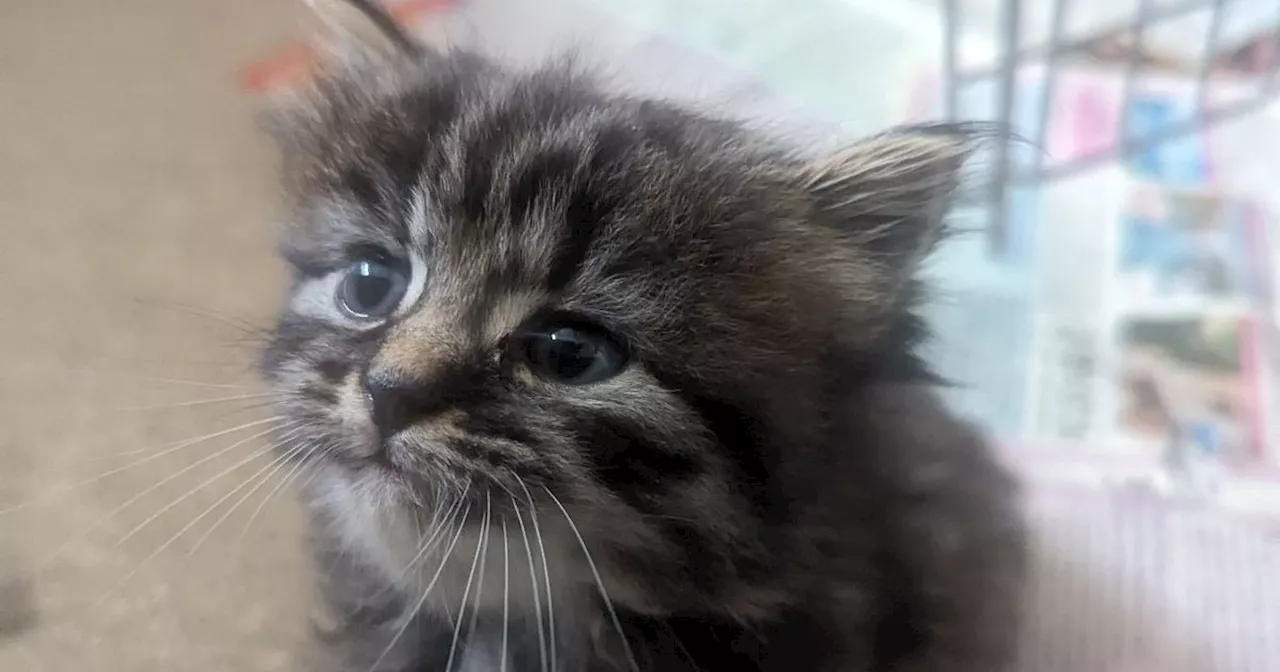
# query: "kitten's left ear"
{"points": [[367, 28], [889, 194]]}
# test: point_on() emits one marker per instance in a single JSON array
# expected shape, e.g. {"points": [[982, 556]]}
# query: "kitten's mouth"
{"points": [[375, 458], [367, 447], [380, 453]]}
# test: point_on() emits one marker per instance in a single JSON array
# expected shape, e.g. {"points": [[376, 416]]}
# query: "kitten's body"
{"points": [[768, 483], [904, 561]]}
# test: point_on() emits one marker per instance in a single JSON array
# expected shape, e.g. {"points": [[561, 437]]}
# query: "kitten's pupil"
{"points": [[371, 289], [568, 353], [572, 355]]}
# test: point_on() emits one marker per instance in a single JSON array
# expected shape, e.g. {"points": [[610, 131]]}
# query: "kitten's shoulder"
{"points": [[917, 434], [951, 536]]}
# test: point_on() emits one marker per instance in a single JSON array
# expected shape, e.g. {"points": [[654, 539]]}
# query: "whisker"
{"points": [[242, 365], [150, 489], [199, 402], [417, 607], [683, 649], [284, 482], [484, 563], [546, 574], [155, 456], [437, 507], [506, 594], [149, 450], [275, 466], [604, 593], [316, 460], [192, 492], [533, 578], [177, 381], [466, 592], [314, 457], [179, 534], [243, 326], [426, 546]]}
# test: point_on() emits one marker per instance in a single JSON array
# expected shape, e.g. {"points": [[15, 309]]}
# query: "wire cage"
{"points": [[1207, 44]]}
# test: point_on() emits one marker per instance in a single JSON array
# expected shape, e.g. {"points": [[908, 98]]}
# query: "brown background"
{"points": [[133, 185]]}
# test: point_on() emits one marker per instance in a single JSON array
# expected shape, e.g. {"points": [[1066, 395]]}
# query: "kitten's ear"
{"points": [[889, 194], [364, 55], [365, 29]]}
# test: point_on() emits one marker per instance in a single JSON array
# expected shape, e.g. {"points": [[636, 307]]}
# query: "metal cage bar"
{"points": [[1008, 173]]}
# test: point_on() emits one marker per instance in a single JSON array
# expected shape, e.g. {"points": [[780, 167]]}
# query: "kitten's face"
{"points": [[512, 290]]}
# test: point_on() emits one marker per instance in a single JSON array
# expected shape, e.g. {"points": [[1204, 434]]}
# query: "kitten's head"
{"points": [[515, 286]]}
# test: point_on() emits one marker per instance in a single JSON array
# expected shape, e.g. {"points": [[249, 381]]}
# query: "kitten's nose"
{"points": [[397, 399]]}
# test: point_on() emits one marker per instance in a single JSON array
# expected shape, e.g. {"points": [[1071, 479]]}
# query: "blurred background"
{"points": [[1109, 315]]}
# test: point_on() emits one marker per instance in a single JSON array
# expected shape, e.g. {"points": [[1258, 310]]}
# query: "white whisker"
{"points": [[245, 327], [604, 593], [417, 607], [185, 528], [466, 592], [275, 466], [265, 500], [194, 491], [675, 637], [533, 578], [484, 564], [167, 451], [316, 459], [431, 542], [151, 450], [179, 381], [152, 488], [312, 460], [546, 574], [437, 507], [199, 402], [506, 594]]}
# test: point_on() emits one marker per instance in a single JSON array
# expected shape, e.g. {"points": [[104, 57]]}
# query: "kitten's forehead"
{"points": [[520, 191], [513, 182]]}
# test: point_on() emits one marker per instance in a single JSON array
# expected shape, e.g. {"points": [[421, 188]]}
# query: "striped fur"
{"points": [[768, 484]]}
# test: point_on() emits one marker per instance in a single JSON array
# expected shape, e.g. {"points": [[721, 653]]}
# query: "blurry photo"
{"points": [[1183, 387], [1184, 244]]}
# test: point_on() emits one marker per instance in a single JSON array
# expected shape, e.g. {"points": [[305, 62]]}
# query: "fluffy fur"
{"points": [[770, 483]]}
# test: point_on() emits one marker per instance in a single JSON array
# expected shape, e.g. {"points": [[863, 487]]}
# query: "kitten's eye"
{"points": [[574, 354], [371, 289]]}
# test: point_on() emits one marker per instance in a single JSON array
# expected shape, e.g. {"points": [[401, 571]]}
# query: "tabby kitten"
{"points": [[592, 382]]}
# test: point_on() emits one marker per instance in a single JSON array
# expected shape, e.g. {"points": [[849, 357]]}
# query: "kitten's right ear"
{"points": [[890, 192], [888, 197], [365, 28]]}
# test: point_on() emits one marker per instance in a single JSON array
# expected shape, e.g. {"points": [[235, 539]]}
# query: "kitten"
{"points": [[592, 382]]}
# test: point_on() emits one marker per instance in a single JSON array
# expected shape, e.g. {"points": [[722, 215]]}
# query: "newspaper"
{"points": [[1134, 328], [1122, 344]]}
